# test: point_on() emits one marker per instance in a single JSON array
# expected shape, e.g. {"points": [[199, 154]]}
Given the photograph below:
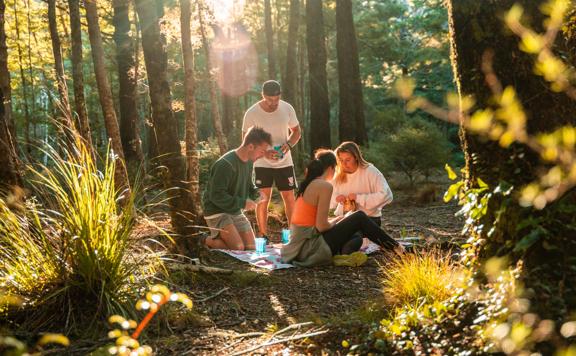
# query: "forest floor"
{"points": [[247, 311]]}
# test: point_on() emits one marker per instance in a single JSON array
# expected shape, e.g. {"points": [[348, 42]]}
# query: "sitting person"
{"points": [[314, 238], [360, 182], [230, 190]]}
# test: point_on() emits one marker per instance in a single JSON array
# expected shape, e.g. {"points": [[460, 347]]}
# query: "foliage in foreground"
{"points": [[74, 232]]}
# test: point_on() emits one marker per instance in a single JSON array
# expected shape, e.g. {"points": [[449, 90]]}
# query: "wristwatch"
{"points": [[289, 145]]}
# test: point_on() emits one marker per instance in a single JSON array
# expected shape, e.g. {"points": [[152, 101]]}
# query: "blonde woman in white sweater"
{"points": [[358, 181]]}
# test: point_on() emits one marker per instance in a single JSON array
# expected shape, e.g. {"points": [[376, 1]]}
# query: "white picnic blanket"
{"points": [[271, 260]]}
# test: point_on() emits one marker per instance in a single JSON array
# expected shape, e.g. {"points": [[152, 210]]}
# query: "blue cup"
{"points": [[279, 150], [260, 244], [285, 236]]}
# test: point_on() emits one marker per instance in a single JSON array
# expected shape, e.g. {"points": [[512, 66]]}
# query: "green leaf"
{"points": [[451, 174], [452, 191], [528, 240]]}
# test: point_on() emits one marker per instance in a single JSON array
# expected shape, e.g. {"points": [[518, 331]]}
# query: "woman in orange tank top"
{"points": [[311, 211]]}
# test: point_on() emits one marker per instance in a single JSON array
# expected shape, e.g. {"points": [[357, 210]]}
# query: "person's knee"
{"points": [[359, 214]]}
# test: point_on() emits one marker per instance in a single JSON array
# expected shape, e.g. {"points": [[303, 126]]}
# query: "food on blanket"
{"points": [[349, 205]]}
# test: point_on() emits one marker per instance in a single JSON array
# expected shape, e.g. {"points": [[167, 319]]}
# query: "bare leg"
{"points": [[229, 239], [248, 239], [288, 197], [262, 211]]}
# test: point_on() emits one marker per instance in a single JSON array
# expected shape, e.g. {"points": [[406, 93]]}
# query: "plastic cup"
{"points": [[279, 150], [260, 244], [285, 236]]}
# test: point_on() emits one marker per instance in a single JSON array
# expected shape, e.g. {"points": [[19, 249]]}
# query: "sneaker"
{"points": [[354, 259]]}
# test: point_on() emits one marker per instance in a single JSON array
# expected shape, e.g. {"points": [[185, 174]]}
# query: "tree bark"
{"points": [[214, 109], [290, 82], [105, 94], [351, 102], [475, 27], [269, 39], [66, 122], [165, 124], [319, 102], [192, 157], [129, 128], [9, 175], [24, 82], [82, 123]]}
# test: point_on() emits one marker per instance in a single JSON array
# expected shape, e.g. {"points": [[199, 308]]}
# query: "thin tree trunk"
{"points": [[192, 157], [82, 122], [105, 94], [9, 175], [129, 130], [214, 109], [24, 83], [319, 102], [165, 124], [31, 74], [351, 101], [66, 123], [290, 82], [269, 40]]}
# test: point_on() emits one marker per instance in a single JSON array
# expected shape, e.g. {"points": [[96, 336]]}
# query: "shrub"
{"points": [[76, 242], [419, 147], [420, 277]]}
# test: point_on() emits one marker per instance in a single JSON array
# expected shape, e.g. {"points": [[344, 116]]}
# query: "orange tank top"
{"points": [[304, 214]]}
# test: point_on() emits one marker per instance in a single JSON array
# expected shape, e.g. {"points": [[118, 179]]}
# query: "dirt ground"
{"points": [[247, 311]]}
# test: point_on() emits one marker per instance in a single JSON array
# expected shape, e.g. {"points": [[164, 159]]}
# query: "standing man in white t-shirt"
{"points": [[278, 118]]}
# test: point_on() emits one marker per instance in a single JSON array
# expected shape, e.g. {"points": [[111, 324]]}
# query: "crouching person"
{"points": [[230, 191]]}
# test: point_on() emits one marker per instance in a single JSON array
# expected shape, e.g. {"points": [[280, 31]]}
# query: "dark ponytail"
{"points": [[323, 159]]}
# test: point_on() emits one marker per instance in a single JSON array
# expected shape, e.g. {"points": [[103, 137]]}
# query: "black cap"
{"points": [[271, 88]]}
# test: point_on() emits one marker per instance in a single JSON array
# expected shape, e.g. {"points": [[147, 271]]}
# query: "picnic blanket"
{"points": [[271, 260]]}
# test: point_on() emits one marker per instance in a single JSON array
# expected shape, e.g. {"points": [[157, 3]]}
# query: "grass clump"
{"points": [[74, 232], [420, 277]]}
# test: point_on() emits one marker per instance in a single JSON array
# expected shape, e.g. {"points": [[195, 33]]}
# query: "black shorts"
{"points": [[284, 178]]}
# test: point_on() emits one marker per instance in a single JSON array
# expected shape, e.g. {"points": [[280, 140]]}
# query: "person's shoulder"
{"points": [[286, 105], [372, 169], [322, 185], [254, 108]]}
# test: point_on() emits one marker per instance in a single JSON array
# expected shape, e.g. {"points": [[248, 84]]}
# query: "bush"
{"points": [[76, 242], [421, 277], [418, 147]]}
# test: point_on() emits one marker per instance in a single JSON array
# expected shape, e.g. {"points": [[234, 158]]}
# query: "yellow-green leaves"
{"points": [[405, 87]]}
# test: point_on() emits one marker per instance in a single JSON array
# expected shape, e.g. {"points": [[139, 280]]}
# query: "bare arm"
{"points": [[295, 135], [324, 194]]}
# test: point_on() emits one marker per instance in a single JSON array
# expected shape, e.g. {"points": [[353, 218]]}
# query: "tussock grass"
{"points": [[421, 277], [69, 246]]}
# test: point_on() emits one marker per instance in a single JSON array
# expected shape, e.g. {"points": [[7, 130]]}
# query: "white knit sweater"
{"points": [[371, 189]]}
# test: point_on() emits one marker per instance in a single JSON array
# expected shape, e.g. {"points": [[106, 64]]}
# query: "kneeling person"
{"points": [[230, 191]]}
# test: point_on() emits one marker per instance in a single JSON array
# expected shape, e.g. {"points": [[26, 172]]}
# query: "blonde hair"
{"points": [[353, 149]]}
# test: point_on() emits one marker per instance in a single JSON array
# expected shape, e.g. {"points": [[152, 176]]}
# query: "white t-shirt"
{"points": [[371, 189], [277, 124]]}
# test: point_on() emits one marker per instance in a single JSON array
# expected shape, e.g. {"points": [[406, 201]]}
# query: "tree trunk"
{"points": [[31, 77], [192, 157], [9, 175], [475, 27], [129, 129], [105, 94], [351, 102], [214, 109], [290, 82], [82, 123], [24, 83], [165, 124], [67, 124], [269, 40], [319, 102]]}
